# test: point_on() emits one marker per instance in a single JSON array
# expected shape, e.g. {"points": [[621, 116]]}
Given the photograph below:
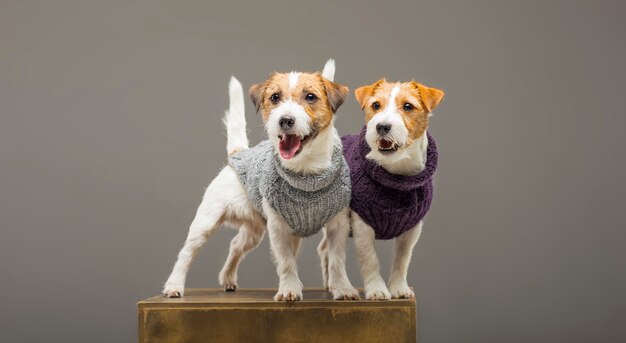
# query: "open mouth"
{"points": [[290, 145], [387, 146]]}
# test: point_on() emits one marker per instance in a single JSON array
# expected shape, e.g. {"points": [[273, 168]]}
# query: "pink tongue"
{"points": [[288, 146]]}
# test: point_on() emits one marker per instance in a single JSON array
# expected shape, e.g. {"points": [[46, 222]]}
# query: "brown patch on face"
{"points": [[413, 101], [319, 97], [363, 93]]}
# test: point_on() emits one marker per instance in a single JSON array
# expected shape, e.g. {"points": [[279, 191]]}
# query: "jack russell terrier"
{"points": [[292, 184], [392, 162]]}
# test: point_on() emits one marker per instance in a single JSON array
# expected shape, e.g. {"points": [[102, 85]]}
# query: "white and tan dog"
{"points": [[298, 113], [390, 158]]}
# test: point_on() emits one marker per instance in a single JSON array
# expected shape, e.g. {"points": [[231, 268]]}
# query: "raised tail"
{"points": [[329, 70], [235, 119]]}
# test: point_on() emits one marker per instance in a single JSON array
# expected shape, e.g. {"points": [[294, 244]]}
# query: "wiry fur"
{"points": [[318, 154], [329, 70], [235, 119], [409, 160], [408, 131], [226, 202]]}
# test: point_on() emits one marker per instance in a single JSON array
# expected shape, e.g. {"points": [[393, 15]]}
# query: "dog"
{"points": [[392, 162], [291, 185]]}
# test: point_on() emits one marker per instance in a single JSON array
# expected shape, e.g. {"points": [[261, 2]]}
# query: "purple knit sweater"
{"points": [[391, 204]]}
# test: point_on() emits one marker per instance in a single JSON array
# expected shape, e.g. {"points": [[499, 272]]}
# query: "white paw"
{"points": [[288, 295], [172, 290], [401, 290], [377, 293], [229, 282], [377, 290], [346, 293]]}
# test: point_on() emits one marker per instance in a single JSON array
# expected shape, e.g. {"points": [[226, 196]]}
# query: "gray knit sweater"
{"points": [[307, 202]]}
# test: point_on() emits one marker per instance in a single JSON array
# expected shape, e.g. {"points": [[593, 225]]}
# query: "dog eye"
{"points": [[275, 97], [376, 106], [310, 97], [408, 107]]}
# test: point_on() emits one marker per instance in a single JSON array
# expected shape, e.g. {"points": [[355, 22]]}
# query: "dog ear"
{"points": [[336, 94], [431, 97], [256, 94], [363, 92]]}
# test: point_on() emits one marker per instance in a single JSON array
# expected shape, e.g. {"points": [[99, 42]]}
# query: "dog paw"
{"points": [[377, 294], [230, 287], [377, 290], [172, 291], [401, 291], [349, 293], [288, 295], [228, 282]]}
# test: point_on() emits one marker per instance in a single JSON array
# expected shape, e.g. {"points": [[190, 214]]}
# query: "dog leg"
{"points": [[248, 238], [364, 237], [337, 230], [209, 216], [404, 249], [204, 224], [322, 251], [284, 250]]}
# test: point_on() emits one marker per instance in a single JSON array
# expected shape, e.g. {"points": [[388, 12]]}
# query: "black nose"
{"points": [[286, 122], [383, 129]]}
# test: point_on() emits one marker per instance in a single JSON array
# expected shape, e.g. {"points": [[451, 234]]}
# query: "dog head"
{"points": [[296, 107], [396, 113]]}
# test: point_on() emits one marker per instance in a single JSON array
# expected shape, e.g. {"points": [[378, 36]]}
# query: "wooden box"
{"points": [[250, 315]]}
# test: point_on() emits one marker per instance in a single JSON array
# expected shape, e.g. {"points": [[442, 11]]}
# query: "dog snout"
{"points": [[383, 128], [286, 122]]}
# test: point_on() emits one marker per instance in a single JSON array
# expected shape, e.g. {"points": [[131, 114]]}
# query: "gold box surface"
{"points": [[250, 315]]}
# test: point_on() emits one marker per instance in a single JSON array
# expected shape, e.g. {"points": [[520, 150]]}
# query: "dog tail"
{"points": [[329, 70], [235, 119]]}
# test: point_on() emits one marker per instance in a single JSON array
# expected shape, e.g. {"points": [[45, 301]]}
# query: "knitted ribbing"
{"points": [[307, 202], [391, 204]]}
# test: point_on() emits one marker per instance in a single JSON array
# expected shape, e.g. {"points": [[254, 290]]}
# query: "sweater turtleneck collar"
{"points": [[393, 181], [312, 183]]}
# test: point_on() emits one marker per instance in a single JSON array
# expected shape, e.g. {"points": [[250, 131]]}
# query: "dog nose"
{"points": [[383, 129], [286, 122]]}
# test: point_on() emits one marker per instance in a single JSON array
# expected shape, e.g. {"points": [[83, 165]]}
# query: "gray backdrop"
{"points": [[110, 131]]}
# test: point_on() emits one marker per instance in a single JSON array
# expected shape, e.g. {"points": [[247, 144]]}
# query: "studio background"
{"points": [[111, 129]]}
